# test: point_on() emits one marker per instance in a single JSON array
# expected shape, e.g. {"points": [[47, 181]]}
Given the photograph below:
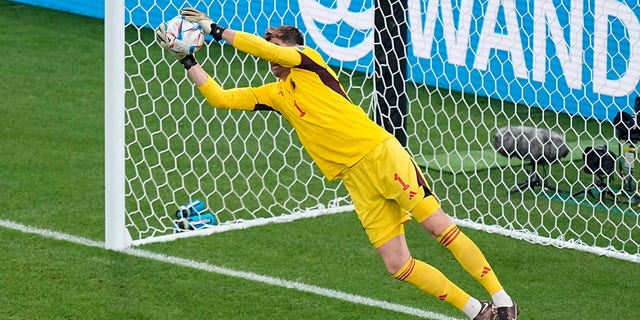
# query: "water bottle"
{"points": [[196, 222], [192, 216], [202, 221], [189, 209]]}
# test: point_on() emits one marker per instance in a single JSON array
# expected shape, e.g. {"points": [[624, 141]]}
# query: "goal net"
{"points": [[462, 71]]}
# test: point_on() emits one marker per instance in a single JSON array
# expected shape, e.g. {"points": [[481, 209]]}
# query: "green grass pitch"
{"points": [[52, 177]]}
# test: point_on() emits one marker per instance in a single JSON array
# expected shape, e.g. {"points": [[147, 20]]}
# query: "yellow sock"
{"points": [[470, 258], [433, 282]]}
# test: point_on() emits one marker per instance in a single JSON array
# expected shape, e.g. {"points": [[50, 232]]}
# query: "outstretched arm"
{"points": [[240, 98], [261, 48], [245, 42]]}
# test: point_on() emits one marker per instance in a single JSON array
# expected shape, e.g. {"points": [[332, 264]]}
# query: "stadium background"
{"points": [[606, 24]]}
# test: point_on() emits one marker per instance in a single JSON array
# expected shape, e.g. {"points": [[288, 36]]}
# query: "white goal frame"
{"points": [[116, 234]]}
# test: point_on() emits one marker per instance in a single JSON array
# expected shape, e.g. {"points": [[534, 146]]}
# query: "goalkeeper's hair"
{"points": [[287, 34]]}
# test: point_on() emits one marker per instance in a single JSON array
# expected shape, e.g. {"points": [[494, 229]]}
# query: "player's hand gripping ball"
{"points": [[199, 17], [180, 37]]}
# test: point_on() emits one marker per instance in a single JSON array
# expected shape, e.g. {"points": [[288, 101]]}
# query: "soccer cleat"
{"points": [[487, 311], [508, 313]]}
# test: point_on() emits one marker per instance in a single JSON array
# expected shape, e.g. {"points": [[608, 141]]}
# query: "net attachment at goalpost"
{"points": [[444, 76]]}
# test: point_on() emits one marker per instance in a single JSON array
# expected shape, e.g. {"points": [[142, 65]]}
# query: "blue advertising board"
{"points": [[574, 56]]}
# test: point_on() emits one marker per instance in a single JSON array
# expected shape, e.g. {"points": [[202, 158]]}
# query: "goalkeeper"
{"points": [[383, 180]]}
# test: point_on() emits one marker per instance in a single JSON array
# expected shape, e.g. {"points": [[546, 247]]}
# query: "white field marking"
{"points": [[330, 293]]}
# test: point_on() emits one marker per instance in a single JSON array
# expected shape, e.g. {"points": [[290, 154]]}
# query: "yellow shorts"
{"points": [[385, 185]]}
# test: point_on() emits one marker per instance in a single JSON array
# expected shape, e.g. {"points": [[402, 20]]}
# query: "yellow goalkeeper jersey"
{"points": [[335, 132]]}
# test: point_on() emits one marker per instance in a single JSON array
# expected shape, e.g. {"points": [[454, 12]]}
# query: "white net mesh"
{"points": [[473, 67]]}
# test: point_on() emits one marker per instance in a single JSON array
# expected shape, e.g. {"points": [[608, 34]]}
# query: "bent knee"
{"points": [[395, 267], [404, 271], [437, 223]]}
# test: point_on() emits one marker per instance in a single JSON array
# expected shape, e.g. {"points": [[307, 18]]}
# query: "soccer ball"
{"points": [[184, 36]]}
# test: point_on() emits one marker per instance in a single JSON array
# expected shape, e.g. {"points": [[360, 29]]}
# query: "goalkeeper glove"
{"points": [[175, 48], [208, 26]]}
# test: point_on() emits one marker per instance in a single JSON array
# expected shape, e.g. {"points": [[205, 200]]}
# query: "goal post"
{"points": [[116, 234], [471, 69]]}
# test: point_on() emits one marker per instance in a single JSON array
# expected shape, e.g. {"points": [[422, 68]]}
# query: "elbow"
{"points": [[218, 103]]}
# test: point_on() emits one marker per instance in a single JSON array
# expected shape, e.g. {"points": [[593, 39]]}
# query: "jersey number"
{"points": [[405, 186], [301, 112]]}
